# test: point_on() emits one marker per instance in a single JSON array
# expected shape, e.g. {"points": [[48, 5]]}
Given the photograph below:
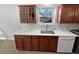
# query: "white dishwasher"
{"points": [[65, 44]]}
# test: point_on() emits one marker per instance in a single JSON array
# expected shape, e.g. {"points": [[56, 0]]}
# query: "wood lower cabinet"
{"points": [[43, 44], [27, 43], [19, 42], [52, 43], [36, 43]]}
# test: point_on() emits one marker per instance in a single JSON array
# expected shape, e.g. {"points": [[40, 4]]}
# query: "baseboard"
{"points": [[10, 38]]}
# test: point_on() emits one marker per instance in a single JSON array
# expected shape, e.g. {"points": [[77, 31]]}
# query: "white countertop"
{"points": [[58, 32]]}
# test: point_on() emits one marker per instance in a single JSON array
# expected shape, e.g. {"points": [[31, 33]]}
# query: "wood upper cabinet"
{"points": [[27, 13], [76, 20], [69, 14]]}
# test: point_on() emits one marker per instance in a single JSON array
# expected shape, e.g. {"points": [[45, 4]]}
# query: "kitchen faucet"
{"points": [[46, 31]]}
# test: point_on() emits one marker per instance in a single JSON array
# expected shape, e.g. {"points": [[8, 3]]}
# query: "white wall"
{"points": [[10, 20]]}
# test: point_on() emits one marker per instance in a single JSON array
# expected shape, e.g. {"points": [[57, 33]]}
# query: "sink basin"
{"points": [[47, 32]]}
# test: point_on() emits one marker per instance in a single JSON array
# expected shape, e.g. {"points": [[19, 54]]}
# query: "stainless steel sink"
{"points": [[47, 32]]}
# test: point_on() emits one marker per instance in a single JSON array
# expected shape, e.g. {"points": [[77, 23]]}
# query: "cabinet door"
{"points": [[27, 13], [23, 14], [76, 20], [52, 43], [43, 43], [27, 43], [32, 14], [35, 43], [67, 15], [19, 42]]}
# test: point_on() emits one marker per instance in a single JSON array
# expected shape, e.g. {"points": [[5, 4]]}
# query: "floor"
{"points": [[8, 47]]}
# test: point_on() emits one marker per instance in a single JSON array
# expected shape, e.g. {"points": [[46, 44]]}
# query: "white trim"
{"points": [[2, 38], [59, 15], [10, 39]]}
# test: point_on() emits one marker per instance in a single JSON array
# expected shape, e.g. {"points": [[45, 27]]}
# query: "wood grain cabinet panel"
{"points": [[27, 43], [32, 14], [23, 15], [19, 42], [76, 20], [52, 43], [69, 13], [43, 44], [35, 43], [27, 13]]}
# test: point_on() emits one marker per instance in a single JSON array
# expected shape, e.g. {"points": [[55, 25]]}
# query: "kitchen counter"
{"points": [[63, 42], [58, 32]]}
